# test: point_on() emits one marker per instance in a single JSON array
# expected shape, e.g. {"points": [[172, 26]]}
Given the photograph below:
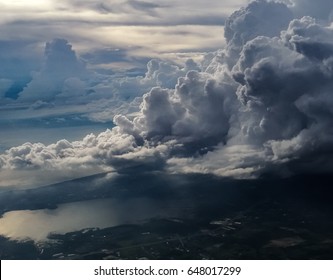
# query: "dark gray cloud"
{"points": [[259, 18], [275, 98], [103, 7], [146, 7]]}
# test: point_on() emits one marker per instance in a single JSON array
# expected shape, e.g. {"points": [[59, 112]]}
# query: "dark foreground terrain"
{"points": [[210, 218]]}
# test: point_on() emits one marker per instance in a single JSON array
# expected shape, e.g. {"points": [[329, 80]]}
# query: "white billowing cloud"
{"points": [[271, 102], [65, 160], [64, 153], [190, 111], [270, 83], [65, 83], [264, 104], [309, 38], [164, 74], [284, 85], [259, 18], [160, 73], [123, 95], [60, 68]]}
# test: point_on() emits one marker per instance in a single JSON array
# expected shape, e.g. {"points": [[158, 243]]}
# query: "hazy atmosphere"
{"points": [[160, 108]]}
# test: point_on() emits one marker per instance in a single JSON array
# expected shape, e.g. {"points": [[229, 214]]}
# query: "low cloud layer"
{"points": [[261, 105]]}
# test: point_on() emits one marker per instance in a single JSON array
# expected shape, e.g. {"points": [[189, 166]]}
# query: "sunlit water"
{"points": [[101, 213]]}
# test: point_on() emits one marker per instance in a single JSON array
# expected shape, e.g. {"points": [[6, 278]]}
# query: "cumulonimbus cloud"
{"points": [[264, 104]]}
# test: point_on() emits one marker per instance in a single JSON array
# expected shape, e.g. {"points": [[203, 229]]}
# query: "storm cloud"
{"points": [[263, 104]]}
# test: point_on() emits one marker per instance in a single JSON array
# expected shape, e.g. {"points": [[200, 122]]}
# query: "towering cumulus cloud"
{"points": [[262, 105], [60, 70]]}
